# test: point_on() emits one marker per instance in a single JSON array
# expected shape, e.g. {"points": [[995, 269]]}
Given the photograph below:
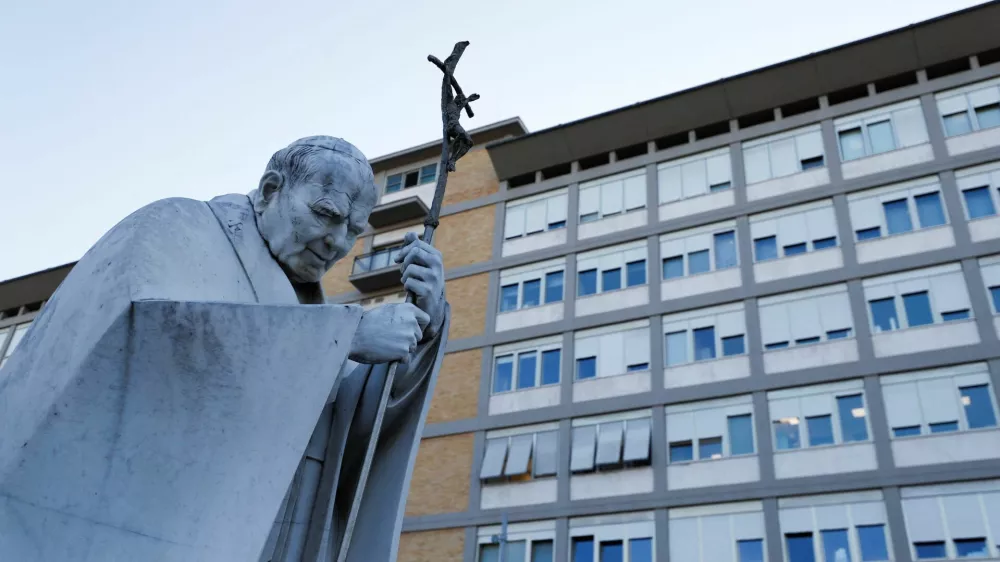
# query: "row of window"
{"points": [[942, 522], [951, 400], [10, 337]]}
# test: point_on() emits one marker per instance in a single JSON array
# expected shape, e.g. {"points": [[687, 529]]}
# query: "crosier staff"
{"points": [[455, 142]]}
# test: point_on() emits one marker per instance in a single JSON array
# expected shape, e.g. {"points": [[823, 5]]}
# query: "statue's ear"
{"points": [[270, 184]]}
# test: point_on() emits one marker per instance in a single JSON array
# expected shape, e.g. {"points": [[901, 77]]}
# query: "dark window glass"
{"points": [[810, 163], [880, 137], [957, 124], [835, 546], [556, 225], [884, 314], [681, 451], [586, 368], [852, 418], [929, 209], [639, 550], [740, 434], [589, 217], [820, 430], [852, 144], [795, 249], [489, 553], [676, 348], [725, 250], [944, 427], [611, 280], [995, 297], [978, 406], [979, 202], [955, 315], [428, 173], [838, 334], [751, 550], [872, 539], [786, 434], [635, 273], [776, 345], [971, 548], [698, 262], [765, 248], [918, 309], [586, 283], [800, 547], [411, 179], [637, 367], [673, 267], [710, 448], [988, 116], [733, 345], [583, 549], [897, 216], [868, 233], [394, 183], [612, 551], [541, 551], [930, 550], [508, 298], [807, 341], [532, 293], [704, 343], [550, 366], [908, 431], [719, 187], [554, 286], [527, 364], [824, 243], [503, 374]]}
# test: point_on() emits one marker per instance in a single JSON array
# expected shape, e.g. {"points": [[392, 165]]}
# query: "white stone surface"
{"points": [[717, 472], [510, 494], [531, 316], [616, 223], [611, 483], [926, 338], [695, 205], [887, 161], [612, 300], [788, 184], [950, 447], [802, 264], [521, 400], [533, 242], [813, 355], [606, 387], [704, 372], [985, 228], [817, 461], [709, 282], [915, 242], [979, 140]]}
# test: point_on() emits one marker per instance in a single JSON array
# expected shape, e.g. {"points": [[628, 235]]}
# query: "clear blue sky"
{"points": [[108, 105]]}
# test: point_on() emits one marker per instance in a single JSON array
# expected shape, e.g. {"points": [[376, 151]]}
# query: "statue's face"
{"points": [[311, 223]]}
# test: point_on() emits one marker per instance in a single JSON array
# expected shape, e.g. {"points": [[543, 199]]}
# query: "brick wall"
{"points": [[440, 482], [466, 238], [444, 545], [467, 296], [457, 392], [473, 178]]}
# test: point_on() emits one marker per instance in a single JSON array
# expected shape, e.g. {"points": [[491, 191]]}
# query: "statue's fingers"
{"points": [[419, 288], [418, 272], [418, 256]]}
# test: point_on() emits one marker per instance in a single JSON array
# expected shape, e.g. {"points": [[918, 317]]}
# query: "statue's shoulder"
{"points": [[172, 209]]}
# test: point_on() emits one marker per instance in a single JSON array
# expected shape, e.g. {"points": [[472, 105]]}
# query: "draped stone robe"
{"points": [[174, 395]]}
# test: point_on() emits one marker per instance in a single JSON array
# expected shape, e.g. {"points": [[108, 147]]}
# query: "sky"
{"points": [[106, 105]]}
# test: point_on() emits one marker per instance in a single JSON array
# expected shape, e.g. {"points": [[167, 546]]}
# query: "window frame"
{"points": [[767, 144], [515, 355], [954, 377], [402, 178], [833, 393], [970, 111]]}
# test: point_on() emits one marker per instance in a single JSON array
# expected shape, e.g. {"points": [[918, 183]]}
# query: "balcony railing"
{"points": [[377, 270], [381, 259]]}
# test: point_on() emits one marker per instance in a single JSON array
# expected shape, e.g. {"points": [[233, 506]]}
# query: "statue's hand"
{"points": [[423, 275], [388, 333]]}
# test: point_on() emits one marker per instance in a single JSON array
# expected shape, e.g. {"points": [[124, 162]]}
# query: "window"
{"points": [[955, 315], [694, 176], [733, 345], [852, 418], [698, 262], [776, 345], [825, 243], [741, 434], [786, 434], [681, 451], [807, 341], [805, 317], [906, 431], [532, 293], [550, 366], [673, 267], [979, 203], [750, 550], [640, 550], [725, 250], [835, 546], [783, 155], [710, 448], [520, 457], [411, 178], [583, 549], [963, 514], [971, 548], [881, 130], [610, 445], [704, 344], [636, 273], [766, 248], [969, 109], [535, 215], [795, 249], [611, 280], [586, 283], [930, 550], [918, 309], [586, 368], [873, 545], [995, 297], [614, 350], [868, 233], [520, 368], [541, 551], [820, 430], [612, 195], [676, 348], [929, 209], [503, 374], [553, 287], [526, 370], [897, 216], [884, 314], [717, 533], [838, 334], [800, 547], [944, 427], [978, 406]]}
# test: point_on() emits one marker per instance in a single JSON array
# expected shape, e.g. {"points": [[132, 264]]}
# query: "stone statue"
{"points": [[187, 395]]}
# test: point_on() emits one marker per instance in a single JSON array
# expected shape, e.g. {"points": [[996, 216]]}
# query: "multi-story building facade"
{"points": [[755, 320]]}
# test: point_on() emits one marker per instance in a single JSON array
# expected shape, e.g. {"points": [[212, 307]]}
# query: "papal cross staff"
{"points": [[455, 142]]}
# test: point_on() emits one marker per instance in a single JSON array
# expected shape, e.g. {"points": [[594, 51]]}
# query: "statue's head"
{"points": [[312, 203]]}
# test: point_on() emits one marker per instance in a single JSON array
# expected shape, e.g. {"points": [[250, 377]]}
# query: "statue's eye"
{"points": [[326, 211]]}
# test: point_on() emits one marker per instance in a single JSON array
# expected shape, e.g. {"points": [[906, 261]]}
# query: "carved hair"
{"points": [[297, 160]]}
